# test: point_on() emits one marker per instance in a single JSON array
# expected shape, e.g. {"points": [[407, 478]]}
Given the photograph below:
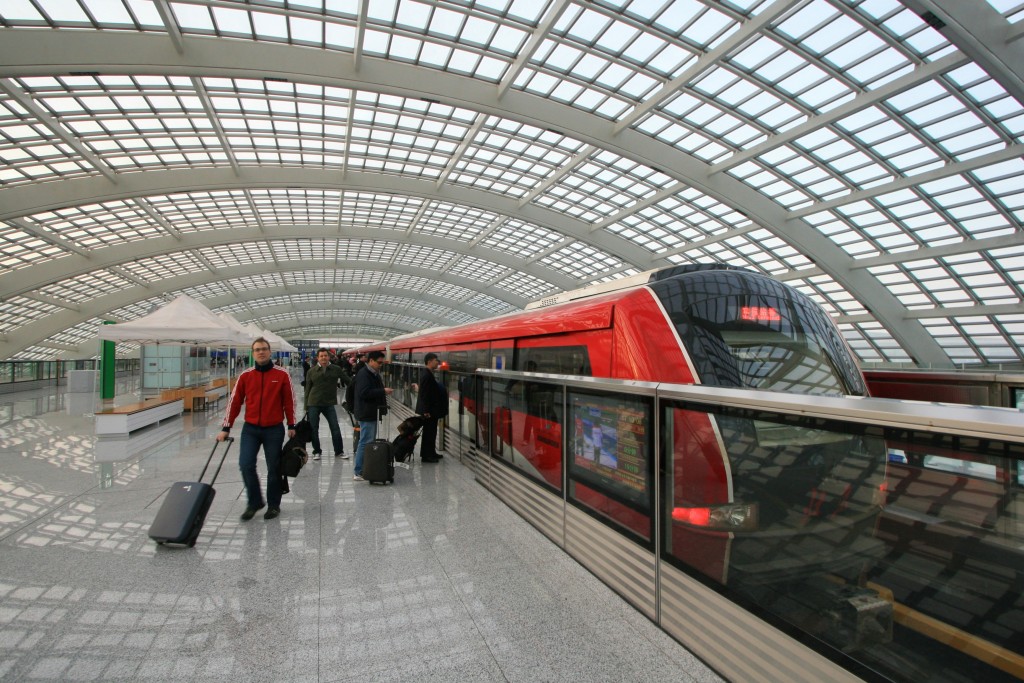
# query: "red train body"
{"points": [[713, 325]]}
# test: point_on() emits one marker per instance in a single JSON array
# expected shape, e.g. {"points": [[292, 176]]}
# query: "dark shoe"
{"points": [[428, 459], [250, 513], [439, 456], [271, 513]]}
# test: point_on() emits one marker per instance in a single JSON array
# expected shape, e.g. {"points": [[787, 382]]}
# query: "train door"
{"points": [[499, 436]]}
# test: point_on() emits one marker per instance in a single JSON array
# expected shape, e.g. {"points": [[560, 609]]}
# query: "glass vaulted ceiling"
{"points": [[336, 168]]}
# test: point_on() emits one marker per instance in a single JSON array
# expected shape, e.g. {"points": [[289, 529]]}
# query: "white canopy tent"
{"points": [[277, 343], [184, 322], [232, 322]]}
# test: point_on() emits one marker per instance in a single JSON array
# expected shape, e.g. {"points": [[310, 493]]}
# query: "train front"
{"points": [[781, 510]]}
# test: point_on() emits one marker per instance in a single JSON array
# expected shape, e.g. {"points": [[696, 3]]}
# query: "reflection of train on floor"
{"points": [[781, 513]]}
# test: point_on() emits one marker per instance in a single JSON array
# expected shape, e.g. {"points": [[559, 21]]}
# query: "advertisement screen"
{"points": [[610, 444]]}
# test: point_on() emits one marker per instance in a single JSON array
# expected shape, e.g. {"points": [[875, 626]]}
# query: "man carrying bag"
{"points": [[371, 399]]}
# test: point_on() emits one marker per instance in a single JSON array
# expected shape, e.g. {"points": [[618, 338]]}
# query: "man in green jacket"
{"points": [[322, 382]]}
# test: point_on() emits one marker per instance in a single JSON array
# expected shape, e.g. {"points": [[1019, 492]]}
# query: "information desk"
{"points": [[123, 420]]}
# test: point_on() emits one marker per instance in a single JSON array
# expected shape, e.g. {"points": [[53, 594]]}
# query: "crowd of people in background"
{"points": [[271, 411]]}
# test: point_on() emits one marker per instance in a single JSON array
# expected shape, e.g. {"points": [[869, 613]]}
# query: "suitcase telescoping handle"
{"points": [[230, 440]]}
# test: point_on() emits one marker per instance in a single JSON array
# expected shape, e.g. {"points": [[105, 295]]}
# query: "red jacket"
{"points": [[267, 395]]}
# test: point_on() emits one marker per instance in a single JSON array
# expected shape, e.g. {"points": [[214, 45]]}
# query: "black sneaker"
{"points": [[250, 513], [271, 513]]}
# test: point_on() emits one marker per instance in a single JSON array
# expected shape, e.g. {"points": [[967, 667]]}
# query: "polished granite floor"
{"points": [[432, 579]]}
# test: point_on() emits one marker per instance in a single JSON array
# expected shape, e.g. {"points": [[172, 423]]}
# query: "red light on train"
{"points": [[729, 517], [694, 516], [759, 314]]}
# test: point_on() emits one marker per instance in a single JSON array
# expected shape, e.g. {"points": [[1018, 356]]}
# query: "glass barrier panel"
{"points": [[610, 450], [475, 409], [25, 372], [459, 420], [903, 551], [526, 428]]}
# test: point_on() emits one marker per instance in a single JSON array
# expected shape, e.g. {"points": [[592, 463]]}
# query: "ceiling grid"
{"points": [[381, 167]]}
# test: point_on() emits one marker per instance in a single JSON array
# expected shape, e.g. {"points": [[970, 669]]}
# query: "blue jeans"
{"points": [[331, 414], [367, 433], [271, 438]]}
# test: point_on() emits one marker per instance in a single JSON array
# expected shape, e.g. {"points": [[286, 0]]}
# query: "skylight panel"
{"points": [[87, 286], [164, 266], [522, 285], [228, 255], [17, 311], [267, 26], [193, 18], [475, 269], [107, 13], [19, 11], [64, 12]]}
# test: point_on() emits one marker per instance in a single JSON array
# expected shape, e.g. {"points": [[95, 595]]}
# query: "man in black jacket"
{"points": [[432, 404], [371, 398]]}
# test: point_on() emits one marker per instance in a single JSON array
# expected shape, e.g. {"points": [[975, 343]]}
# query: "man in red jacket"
{"points": [[266, 391]]}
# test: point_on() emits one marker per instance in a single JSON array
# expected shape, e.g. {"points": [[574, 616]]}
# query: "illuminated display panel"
{"points": [[609, 444]]}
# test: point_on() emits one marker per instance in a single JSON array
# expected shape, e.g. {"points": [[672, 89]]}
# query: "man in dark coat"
{"points": [[371, 400], [321, 397], [432, 404]]}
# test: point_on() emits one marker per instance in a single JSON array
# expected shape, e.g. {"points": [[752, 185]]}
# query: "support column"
{"points": [[108, 369]]}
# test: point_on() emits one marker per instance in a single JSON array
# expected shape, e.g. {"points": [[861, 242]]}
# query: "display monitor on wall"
{"points": [[609, 443]]}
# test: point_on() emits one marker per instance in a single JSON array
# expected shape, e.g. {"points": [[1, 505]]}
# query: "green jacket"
{"points": [[322, 385]]}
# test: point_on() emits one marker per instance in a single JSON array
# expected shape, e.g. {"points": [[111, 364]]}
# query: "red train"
{"points": [[753, 502]]}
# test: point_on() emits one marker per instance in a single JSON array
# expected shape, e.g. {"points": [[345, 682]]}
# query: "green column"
{"points": [[107, 368]]}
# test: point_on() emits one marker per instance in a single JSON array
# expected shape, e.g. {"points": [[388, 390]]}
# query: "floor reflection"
{"points": [[347, 581]]}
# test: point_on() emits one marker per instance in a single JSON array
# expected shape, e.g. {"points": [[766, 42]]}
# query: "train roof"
{"points": [[588, 308], [637, 280]]}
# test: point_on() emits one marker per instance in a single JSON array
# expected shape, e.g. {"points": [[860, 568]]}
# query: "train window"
{"points": [[458, 361], [1017, 398], [555, 360], [499, 357], [609, 459], [526, 428], [758, 333]]}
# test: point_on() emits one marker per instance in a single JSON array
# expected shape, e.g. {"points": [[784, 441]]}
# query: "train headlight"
{"points": [[732, 517]]}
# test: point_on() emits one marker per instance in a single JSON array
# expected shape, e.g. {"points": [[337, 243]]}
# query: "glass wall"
{"points": [[897, 552], [526, 420], [34, 370], [901, 550]]}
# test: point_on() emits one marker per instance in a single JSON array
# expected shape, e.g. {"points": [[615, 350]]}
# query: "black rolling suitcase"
{"points": [[379, 462], [181, 517]]}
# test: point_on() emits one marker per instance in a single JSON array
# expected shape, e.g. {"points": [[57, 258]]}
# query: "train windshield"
{"points": [[745, 330]]}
